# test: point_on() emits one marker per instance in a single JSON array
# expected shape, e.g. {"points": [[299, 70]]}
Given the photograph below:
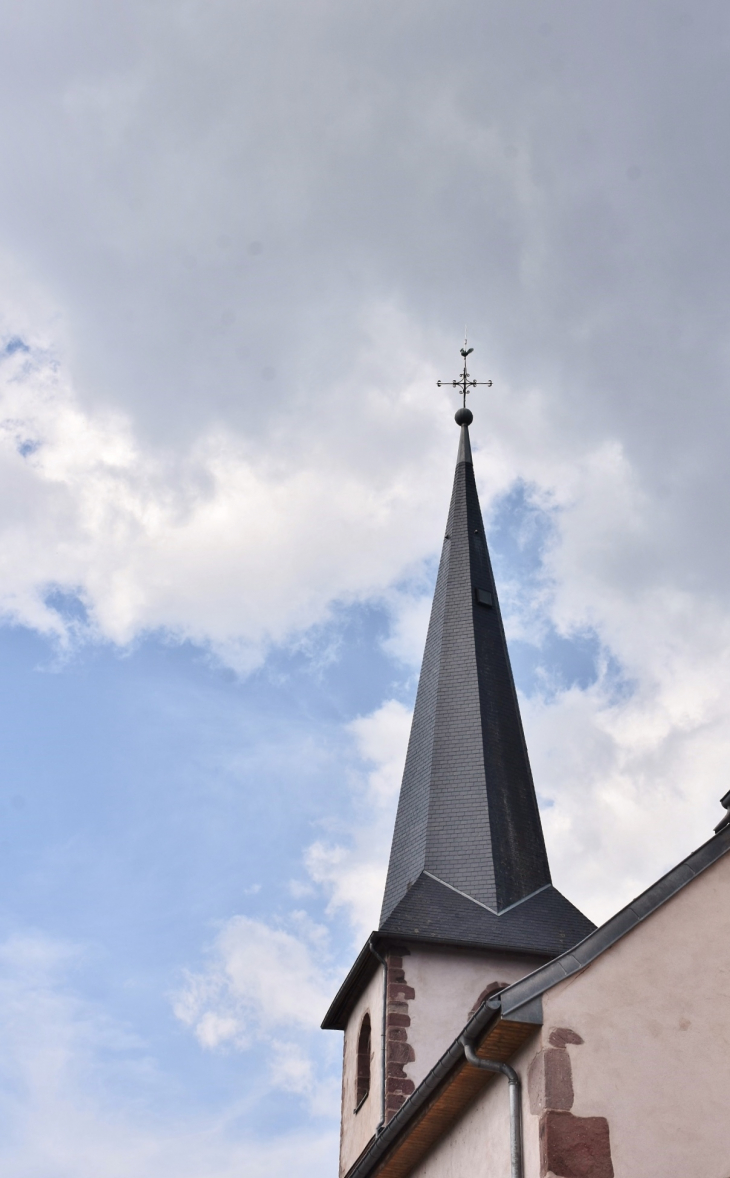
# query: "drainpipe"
{"points": [[383, 961], [515, 1103]]}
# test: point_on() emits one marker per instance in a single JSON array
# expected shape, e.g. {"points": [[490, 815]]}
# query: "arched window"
{"points": [[363, 1062]]}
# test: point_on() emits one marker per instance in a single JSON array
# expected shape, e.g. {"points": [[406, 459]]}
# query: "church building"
{"points": [[490, 1029]]}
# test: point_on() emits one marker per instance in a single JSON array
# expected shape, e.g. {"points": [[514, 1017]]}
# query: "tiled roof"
{"points": [[467, 812], [544, 923]]}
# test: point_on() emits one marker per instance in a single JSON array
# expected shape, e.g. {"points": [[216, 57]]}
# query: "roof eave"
{"points": [[366, 964], [432, 1104], [353, 985]]}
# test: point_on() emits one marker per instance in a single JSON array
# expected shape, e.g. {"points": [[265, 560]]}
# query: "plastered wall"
{"points": [[633, 1060], [654, 1014], [447, 984], [431, 993], [479, 1145], [356, 1129]]}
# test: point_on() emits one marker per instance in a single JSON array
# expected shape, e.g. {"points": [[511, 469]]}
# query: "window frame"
{"points": [[363, 1056]]}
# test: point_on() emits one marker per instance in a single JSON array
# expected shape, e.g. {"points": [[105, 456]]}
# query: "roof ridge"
{"points": [[459, 892], [494, 911]]}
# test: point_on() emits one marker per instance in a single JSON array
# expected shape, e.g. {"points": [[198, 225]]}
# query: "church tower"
{"points": [[469, 905]]}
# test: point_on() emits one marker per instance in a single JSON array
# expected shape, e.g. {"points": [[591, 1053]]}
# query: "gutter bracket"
{"points": [[528, 1012]]}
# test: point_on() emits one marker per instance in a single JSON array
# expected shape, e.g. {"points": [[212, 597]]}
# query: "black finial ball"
{"points": [[463, 416]]}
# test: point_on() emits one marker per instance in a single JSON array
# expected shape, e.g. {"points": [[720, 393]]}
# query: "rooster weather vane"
{"points": [[464, 383]]}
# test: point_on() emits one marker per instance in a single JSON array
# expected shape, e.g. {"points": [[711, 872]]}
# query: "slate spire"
{"points": [[468, 824]]}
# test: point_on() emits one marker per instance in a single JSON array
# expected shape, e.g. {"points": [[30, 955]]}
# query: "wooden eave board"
{"points": [[451, 1100]]}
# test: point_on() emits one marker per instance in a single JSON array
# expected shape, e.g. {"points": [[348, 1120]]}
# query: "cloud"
{"points": [[352, 872], [269, 985], [217, 544], [634, 765], [237, 297], [69, 1074], [173, 237], [258, 979]]}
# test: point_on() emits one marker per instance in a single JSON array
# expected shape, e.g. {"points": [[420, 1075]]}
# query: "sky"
{"points": [[239, 244]]}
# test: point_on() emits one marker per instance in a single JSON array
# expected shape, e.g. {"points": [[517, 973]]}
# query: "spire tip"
{"points": [[464, 384]]}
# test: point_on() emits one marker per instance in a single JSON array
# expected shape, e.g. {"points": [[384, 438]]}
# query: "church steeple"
{"points": [[468, 905], [468, 824]]}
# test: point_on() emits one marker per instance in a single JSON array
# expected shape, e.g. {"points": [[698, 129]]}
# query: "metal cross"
{"points": [[464, 383]]}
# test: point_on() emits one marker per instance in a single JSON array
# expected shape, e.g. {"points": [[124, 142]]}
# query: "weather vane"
{"points": [[464, 382]]}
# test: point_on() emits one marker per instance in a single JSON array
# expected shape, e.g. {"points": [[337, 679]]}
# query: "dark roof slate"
{"points": [[544, 923], [467, 811]]}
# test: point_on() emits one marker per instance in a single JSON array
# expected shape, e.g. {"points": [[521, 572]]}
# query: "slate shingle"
{"points": [[467, 811], [545, 923]]}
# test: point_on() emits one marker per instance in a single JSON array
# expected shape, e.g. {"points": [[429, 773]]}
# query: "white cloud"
{"points": [[217, 544], [409, 608], [269, 985], [294, 1069], [80, 1095], [381, 739], [633, 765], [236, 295], [352, 872], [635, 769], [258, 979]]}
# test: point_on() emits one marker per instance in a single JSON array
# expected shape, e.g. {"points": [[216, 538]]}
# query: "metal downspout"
{"points": [[515, 1102], [384, 962]]}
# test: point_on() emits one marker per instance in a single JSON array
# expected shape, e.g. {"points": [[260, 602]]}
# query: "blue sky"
{"points": [[238, 246], [151, 795]]}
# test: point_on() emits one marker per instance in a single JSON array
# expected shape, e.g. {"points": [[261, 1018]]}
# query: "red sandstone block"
{"points": [[550, 1081], [575, 1147], [400, 990], [395, 1070], [401, 1052], [401, 1087], [559, 1036]]}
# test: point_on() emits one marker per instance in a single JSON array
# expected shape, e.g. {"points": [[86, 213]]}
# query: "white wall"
{"points": [[479, 1145], [357, 1128], [654, 1014], [654, 1011], [447, 984]]}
